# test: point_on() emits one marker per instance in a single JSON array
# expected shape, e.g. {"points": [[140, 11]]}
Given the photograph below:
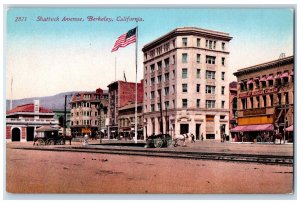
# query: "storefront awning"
{"points": [[290, 129], [253, 128]]}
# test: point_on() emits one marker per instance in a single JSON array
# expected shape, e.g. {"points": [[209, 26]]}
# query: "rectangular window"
{"points": [[210, 44], [223, 104], [173, 102], [257, 101], [166, 104], [152, 81], [184, 57], [159, 79], [173, 59], [173, 86], [166, 76], [198, 103], [251, 103], [210, 89], [166, 91], [184, 103], [223, 61], [184, 73], [184, 88], [198, 58], [158, 106], [173, 74], [198, 42], [223, 90], [223, 75], [152, 94], [152, 107], [152, 66], [198, 88], [223, 46], [159, 65], [210, 104], [210, 74], [286, 94], [167, 62], [198, 74], [264, 101], [184, 42], [210, 60], [244, 103], [271, 100]]}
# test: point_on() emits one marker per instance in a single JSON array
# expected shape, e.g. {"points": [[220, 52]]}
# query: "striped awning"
{"points": [[253, 128]]}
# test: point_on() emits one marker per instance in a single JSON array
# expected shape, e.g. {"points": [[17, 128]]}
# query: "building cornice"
{"points": [[187, 31], [264, 66]]}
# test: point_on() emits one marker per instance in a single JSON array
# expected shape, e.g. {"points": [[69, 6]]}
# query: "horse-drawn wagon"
{"points": [[48, 135], [158, 141]]}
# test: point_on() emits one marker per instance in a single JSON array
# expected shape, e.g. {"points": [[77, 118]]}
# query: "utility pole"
{"points": [[100, 108], [161, 115], [65, 116]]}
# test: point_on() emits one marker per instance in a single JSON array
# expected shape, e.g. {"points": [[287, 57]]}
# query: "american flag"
{"points": [[125, 39]]}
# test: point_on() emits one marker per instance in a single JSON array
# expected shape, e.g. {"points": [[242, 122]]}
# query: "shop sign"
{"points": [[254, 112]]}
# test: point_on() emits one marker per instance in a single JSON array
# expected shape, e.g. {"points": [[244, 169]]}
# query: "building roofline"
{"points": [[266, 65], [184, 31]]}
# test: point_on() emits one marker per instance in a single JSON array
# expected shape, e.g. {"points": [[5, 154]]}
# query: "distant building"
{"points": [[85, 113], [189, 67], [22, 121], [126, 120], [59, 114], [266, 98], [232, 106], [120, 94]]}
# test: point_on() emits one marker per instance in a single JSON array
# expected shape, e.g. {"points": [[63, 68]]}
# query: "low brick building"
{"points": [[22, 121], [232, 107]]}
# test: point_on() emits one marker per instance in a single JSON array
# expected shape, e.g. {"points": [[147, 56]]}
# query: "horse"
{"points": [[183, 137]]}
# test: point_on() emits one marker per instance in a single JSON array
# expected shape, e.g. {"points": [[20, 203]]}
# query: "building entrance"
{"points": [[198, 131], [16, 135], [30, 133], [184, 128]]}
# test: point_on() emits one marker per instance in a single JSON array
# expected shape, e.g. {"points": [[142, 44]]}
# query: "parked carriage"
{"points": [[158, 141], [48, 135]]}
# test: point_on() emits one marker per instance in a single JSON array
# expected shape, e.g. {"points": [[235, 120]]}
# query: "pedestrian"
{"points": [[193, 138], [202, 137]]}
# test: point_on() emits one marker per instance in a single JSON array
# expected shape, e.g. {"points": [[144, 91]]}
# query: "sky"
{"points": [[47, 58]]}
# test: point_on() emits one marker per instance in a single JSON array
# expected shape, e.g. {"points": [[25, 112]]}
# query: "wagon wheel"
{"points": [[158, 143], [50, 142], [169, 142], [40, 142]]}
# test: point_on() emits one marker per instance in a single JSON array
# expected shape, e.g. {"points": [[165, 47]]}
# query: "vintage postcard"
{"points": [[149, 100]]}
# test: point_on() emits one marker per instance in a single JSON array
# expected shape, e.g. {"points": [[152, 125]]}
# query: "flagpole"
{"points": [[11, 85], [115, 68], [136, 65]]}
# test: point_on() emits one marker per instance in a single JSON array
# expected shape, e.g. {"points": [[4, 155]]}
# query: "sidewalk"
{"points": [[208, 146]]}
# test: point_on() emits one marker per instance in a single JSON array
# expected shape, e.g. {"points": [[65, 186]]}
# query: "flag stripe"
{"points": [[125, 39]]}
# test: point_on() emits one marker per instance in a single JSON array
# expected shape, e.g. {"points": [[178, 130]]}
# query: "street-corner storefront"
{"points": [[265, 102]]}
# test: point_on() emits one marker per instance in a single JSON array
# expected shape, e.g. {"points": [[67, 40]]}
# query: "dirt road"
{"points": [[29, 171]]}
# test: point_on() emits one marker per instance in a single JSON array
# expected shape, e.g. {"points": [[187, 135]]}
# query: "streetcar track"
{"points": [[229, 157]]}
